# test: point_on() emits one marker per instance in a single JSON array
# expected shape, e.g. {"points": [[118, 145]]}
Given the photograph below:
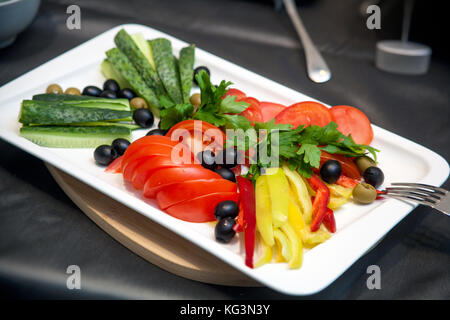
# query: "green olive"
{"points": [[196, 100], [364, 193], [363, 163], [138, 103], [73, 91], [54, 88]]}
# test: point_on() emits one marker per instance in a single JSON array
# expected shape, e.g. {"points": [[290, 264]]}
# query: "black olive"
{"points": [[226, 174], [224, 231], [92, 91], [104, 154], [120, 145], [198, 69], [108, 94], [374, 176], [143, 117], [111, 85], [227, 158], [126, 94], [207, 159], [156, 132], [226, 209], [331, 171]]}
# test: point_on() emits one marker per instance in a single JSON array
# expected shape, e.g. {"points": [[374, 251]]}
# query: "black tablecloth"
{"points": [[42, 231]]}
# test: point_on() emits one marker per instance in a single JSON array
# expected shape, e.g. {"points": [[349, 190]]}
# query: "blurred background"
{"points": [[258, 35]]}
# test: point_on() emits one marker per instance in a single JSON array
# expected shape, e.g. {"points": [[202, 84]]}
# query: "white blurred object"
{"points": [[403, 56]]}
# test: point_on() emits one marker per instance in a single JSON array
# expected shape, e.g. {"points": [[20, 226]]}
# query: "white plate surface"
{"points": [[359, 227]]}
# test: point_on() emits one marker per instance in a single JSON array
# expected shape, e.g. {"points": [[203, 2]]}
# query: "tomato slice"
{"points": [[351, 120], [115, 166], [146, 141], [146, 168], [179, 192], [349, 167], [146, 151], [270, 110], [307, 113], [201, 135], [253, 111], [200, 209], [168, 176], [235, 92]]}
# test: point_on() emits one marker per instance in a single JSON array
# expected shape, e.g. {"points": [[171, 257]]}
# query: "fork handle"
{"points": [[316, 66]]}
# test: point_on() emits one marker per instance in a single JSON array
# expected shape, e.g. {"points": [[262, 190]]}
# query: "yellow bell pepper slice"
{"points": [[339, 196], [278, 187], [286, 251], [263, 211], [266, 256], [309, 239], [300, 189], [296, 246]]}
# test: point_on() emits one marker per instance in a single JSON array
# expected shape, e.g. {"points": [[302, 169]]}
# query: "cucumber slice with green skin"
{"points": [[128, 46], [186, 67], [97, 124], [109, 72], [166, 68], [85, 101], [74, 137], [144, 46], [43, 112], [127, 70]]}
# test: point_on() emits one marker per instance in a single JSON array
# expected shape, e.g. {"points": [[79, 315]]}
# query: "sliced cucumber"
{"points": [[144, 46], [128, 46], [85, 101], [130, 126], [122, 64], [74, 137], [186, 67], [167, 68], [43, 112], [109, 72]]}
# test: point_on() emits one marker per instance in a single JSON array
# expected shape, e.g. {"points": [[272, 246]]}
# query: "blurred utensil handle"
{"points": [[317, 68]]}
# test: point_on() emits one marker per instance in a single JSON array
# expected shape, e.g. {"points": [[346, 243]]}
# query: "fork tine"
{"points": [[408, 198], [421, 192], [413, 196], [421, 185]]}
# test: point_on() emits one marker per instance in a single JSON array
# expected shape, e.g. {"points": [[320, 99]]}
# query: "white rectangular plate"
{"points": [[359, 227]]}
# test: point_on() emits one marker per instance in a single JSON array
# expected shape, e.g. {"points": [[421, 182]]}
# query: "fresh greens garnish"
{"points": [[213, 109]]}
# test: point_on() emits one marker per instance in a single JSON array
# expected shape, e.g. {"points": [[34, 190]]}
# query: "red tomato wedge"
{"points": [[146, 168], [147, 151], [168, 176], [235, 92], [179, 192], [200, 209], [253, 111], [349, 167], [351, 120], [146, 141], [115, 166], [307, 113], [270, 110], [198, 136]]}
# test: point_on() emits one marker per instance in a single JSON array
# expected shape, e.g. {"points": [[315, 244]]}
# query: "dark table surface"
{"points": [[42, 231]]}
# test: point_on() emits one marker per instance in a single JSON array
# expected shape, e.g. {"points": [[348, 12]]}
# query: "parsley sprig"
{"points": [[213, 109], [300, 148]]}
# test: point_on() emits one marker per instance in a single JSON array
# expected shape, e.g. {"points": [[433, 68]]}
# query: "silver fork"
{"points": [[434, 197]]}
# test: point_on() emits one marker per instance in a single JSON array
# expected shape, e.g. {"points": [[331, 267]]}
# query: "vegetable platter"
{"points": [[354, 229]]}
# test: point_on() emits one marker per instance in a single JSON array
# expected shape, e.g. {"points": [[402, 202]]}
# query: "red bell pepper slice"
{"points": [[239, 226], [329, 222], [248, 204], [347, 182], [320, 203]]}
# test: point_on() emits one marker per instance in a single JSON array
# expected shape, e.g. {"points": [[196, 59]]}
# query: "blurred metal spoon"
{"points": [[318, 70]]}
